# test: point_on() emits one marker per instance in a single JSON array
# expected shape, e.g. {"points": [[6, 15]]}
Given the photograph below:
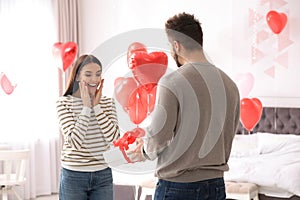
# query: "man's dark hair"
{"points": [[186, 29]]}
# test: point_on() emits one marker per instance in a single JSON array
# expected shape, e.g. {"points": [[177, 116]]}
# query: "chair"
{"points": [[13, 164], [241, 191], [148, 188]]}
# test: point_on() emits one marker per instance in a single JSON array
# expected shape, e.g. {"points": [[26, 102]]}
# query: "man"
{"points": [[194, 120]]}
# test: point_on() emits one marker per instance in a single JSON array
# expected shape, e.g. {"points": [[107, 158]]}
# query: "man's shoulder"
{"points": [[167, 79]]}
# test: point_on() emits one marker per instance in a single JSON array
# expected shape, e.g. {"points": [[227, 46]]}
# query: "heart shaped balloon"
{"points": [[134, 47], [276, 21], [6, 85], [124, 88], [67, 52], [151, 96], [141, 103], [245, 82], [148, 68], [251, 110]]}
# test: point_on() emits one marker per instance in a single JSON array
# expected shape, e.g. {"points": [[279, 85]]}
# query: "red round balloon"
{"points": [[251, 110], [276, 21]]}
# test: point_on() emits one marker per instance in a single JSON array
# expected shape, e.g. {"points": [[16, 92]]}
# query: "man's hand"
{"points": [[136, 154]]}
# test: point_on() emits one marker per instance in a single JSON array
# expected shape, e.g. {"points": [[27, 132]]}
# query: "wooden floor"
{"points": [[52, 197]]}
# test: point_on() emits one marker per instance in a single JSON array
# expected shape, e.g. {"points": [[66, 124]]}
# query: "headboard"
{"points": [[277, 120]]}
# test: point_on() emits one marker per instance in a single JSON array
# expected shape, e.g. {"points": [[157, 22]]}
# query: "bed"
{"points": [[270, 155]]}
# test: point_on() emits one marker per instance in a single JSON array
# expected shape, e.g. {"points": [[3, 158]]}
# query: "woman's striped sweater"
{"points": [[87, 132]]}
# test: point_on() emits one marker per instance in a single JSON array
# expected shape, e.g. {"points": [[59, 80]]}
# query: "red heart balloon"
{"points": [[134, 47], [6, 85], [251, 110], [148, 67], [151, 96], [276, 21], [141, 103], [67, 52], [124, 88]]}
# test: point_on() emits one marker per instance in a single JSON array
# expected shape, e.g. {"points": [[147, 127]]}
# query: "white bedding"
{"points": [[271, 161]]}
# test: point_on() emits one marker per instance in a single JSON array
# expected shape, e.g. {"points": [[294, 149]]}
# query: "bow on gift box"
{"points": [[128, 138]]}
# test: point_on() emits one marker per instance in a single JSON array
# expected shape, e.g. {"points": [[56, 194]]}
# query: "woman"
{"points": [[89, 124]]}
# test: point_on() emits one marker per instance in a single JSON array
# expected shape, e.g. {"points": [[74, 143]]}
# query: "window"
{"points": [[27, 35]]}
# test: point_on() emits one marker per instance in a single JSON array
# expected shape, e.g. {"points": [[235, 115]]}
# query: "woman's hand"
{"points": [[98, 93], [84, 93]]}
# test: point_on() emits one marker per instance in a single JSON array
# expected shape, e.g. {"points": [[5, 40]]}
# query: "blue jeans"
{"points": [[76, 185], [212, 189]]}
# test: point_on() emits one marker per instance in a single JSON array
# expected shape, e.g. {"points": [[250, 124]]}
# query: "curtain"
{"points": [[67, 19], [67, 23]]}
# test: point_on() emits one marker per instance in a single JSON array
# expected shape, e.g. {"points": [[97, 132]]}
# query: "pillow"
{"points": [[270, 142], [244, 145]]}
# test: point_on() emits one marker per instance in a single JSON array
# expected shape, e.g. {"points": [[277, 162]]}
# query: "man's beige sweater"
{"points": [[193, 123]]}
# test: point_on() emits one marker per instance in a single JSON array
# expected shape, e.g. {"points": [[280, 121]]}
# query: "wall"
{"points": [[102, 20], [234, 33], [271, 58]]}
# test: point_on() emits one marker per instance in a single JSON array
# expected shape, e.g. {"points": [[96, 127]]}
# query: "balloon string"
{"points": [[148, 104], [125, 156], [137, 105]]}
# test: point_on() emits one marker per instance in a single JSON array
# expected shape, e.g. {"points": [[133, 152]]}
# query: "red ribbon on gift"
{"points": [[128, 138]]}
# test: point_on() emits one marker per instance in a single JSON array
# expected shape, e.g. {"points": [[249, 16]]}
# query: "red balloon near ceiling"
{"points": [[276, 21]]}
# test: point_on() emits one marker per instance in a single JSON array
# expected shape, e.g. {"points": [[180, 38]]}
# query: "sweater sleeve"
{"points": [[73, 128], [163, 126], [107, 119]]}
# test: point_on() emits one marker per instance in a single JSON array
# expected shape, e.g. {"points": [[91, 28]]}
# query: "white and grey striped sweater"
{"points": [[87, 132]]}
